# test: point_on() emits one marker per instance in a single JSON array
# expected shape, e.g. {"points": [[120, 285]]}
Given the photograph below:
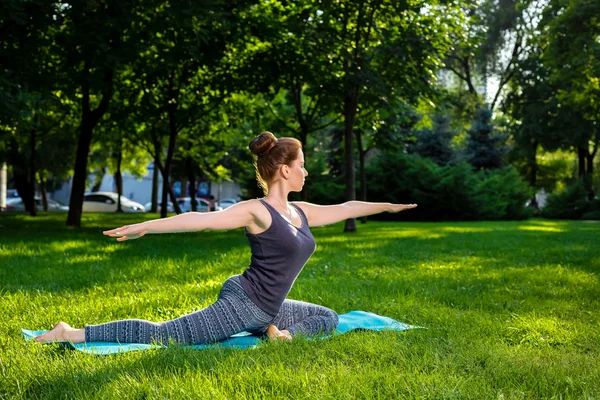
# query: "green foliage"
{"points": [[451, 192], [555, 170], [485, 146], [594, 214], [204, 70], [572, 203], [451, 195], [502, 194], [435, 143], [573, 50]]}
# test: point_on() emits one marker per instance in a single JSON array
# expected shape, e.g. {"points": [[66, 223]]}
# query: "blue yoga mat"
{"points": [[348, 322]]}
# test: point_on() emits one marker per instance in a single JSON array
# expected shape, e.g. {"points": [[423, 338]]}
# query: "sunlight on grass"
{"points": [[541, 229], [69, 245], [18, 249], [550, 223], [536, 330], [465, 229]]}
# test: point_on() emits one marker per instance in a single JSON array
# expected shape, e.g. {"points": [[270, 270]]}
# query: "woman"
{"points": [[281, 244]]}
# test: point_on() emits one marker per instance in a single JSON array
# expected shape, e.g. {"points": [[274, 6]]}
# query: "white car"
{"points": [[16, 204], [185, 203], [170, 207], [107, 202], [224, 203]]}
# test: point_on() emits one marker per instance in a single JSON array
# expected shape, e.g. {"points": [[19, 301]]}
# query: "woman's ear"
{"points": [[285, 171]]}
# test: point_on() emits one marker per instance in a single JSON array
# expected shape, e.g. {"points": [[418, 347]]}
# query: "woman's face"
{"points": [[297, 173]]}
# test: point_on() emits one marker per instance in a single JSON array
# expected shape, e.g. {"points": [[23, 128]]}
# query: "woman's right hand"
{"points": [[127, 232]]}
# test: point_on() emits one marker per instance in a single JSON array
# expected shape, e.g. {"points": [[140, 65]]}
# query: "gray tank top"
{"points": [[278, 256]]}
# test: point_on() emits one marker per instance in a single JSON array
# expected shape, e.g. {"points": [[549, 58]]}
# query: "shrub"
{"points": [[594, 214], [571, 203], [452, 192], [502, 194]]}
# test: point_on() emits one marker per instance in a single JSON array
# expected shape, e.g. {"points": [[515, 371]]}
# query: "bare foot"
{"points": [[276, 334], [62, 332]]}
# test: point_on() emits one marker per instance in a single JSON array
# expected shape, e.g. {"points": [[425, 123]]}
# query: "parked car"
{"points": [[170, 207], [227, 203], [107, 202], [16, 204], [185, 203]]}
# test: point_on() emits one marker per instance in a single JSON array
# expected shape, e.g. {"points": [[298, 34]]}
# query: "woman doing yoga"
{"points": [[280, 242]]}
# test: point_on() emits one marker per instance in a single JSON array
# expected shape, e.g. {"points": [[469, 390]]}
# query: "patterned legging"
{"points": [[233, 312]]}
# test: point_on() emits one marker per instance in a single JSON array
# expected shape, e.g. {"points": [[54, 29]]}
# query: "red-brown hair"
{"points": [[270, 154]]}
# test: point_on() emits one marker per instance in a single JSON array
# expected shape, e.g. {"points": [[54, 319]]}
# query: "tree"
{"points": [[383, 49], [573, 53], [282, 57], [529, 103], [493, 29], [25, 83], [485, 147], [436, 143], [90, 50]]}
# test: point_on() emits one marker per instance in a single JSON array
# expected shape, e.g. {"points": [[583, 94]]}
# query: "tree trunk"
{"points": [[164, 201], [154, 206], [590, 172], [98, 180], [349, 116], [89, 119], [20, 175], [169, 191], [304, 127], [303, 136], [23, 187], [581, 154], [44, 192], [586, 157], [172, 108], [361, 173], [191, 183], [533, 177], [119, 177], [79, 176], [166, 186], [32, 179], [3, 180]]}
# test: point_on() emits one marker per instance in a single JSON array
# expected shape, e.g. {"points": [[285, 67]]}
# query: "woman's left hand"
{"points": [[401, 207]]}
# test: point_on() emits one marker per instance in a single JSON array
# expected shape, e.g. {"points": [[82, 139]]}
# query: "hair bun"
{"points": [[262, 143]]}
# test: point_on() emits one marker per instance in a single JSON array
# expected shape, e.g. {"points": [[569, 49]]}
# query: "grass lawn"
{"points": [[511, 310]]}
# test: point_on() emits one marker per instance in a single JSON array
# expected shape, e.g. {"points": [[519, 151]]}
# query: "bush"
{"points": [[452, 192], [572, 203], [502, 194], [453, 196], [324, 189], [407, 179], [594, 214]]}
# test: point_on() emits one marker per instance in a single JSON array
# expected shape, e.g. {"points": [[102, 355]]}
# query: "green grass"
{"points": [[511, 310]]}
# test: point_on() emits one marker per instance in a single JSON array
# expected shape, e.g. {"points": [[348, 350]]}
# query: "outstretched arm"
{"points": [[233, 217], [324, 215]]}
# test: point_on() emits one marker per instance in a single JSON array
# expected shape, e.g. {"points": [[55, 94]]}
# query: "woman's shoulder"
{"points": [[262, 216], [303, 205], [253, 203]]}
